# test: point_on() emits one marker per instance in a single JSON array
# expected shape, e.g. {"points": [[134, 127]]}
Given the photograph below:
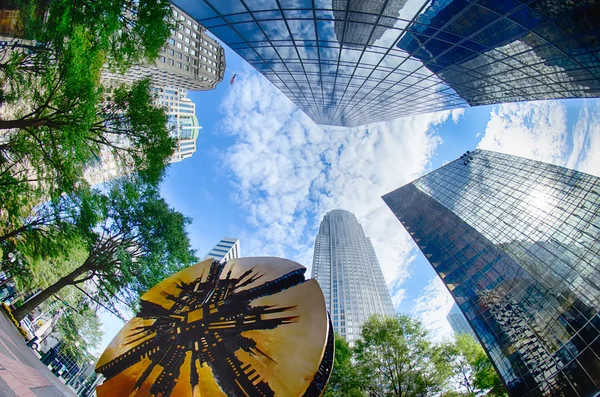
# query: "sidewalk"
{"points": [[21, 372]]}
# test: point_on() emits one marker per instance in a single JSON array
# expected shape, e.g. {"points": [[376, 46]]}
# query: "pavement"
{"points": [[21, 371]]}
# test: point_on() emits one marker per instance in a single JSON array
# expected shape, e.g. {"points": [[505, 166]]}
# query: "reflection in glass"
{"points": [[356, 20], [353, 62], [504, 51], [517, 243]]}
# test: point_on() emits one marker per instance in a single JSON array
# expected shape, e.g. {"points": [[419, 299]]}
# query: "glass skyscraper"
{"points": [[517, 243], [346, 268], [353, 62], [458, 322]]}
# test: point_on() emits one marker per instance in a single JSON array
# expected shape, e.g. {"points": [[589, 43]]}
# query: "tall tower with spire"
{"points": [[346, 268]]}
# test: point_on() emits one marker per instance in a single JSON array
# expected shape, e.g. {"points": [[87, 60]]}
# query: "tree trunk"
{"points": [[34, 302], [21, 123]]}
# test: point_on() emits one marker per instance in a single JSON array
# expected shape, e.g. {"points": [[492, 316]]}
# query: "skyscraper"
{"points": [[191, 59], [354, 62], [517, 243], [458, 322], [227, 248], [346, 268], [182, 122]]}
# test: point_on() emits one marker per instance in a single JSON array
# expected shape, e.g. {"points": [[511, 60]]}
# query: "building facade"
{"points": [[517, 243], [354, 62], [191, 59], [182, 122], [226, 249], [346, 268], [458, 322]]}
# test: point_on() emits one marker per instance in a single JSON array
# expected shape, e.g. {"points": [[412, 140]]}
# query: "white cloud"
{"points": [[586, 140], [289, 172], [540, 131], [432, 307], [536, 130]]}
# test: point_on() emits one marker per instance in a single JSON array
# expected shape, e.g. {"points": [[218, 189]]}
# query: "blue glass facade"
{"points": [[517, 243], [353, 62], [458, 322]]}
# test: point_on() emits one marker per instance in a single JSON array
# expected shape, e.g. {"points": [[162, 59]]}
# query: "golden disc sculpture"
{"points": [[248, 327]]}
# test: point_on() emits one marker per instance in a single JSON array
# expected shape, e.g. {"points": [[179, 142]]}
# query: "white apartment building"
{"points": [[191, 59]]}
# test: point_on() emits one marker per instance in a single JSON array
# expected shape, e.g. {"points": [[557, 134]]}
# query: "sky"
{"points": [[267, 174]]}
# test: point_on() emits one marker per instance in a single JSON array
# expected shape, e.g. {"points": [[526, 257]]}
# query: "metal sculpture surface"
{"points": [[248, 327]]}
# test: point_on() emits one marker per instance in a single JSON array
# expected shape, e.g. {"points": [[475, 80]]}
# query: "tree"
{"points": [[128, 31], [395, 358], [344, 380], [471, 368], [58, 118], [79, 328], [137, 241], [64, 137]]}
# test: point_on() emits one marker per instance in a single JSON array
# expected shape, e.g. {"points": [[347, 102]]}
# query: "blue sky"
{"points": [[265, 173]]}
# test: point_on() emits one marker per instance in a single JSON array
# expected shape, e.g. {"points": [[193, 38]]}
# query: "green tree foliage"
{"points": [[79, 327], [345, 380], [58, 122], [471, 368], [395, 358], [135, 241], [58, 118], [128, 31]]}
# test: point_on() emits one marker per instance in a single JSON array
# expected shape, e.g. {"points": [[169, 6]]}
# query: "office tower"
{"points": [[346, 268], [354, 62], [517, 243], [227, 248], [458, 322], [191, 59], [182, 122]]}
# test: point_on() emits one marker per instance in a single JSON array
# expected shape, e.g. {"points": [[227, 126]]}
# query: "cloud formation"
{"points": [[432, 307], [541, 131], [288, 172]]}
